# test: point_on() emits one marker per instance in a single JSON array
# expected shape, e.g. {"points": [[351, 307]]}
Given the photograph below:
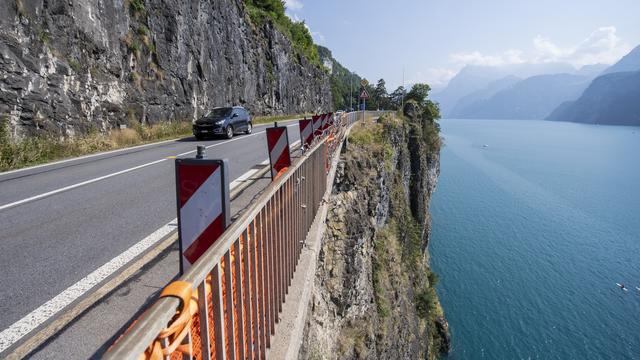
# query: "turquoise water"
{"points": [[531, 235]]}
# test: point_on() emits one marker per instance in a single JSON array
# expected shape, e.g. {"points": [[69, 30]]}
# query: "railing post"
{"points": [[246, 282], [239, 305], [218, 313], [203, 311], [230, 328]]}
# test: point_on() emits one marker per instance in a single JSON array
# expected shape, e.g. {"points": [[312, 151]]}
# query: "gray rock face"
{"points": [[67, 66], [344, 319]]}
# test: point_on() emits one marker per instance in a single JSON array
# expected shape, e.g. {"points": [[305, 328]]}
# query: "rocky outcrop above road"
{"points": [[71, 66], [373, 295]]}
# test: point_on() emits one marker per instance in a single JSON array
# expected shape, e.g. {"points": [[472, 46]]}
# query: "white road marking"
{"points": [[103, 153], [70, 187], [104, 177], [37, 317], [86, 157]]}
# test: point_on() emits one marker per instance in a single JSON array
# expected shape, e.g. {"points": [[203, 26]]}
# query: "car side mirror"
{"points": [[234, 115]]}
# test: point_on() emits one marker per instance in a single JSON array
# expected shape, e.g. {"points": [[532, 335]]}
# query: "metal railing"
{"points": [[352, 117], [233, 294]]}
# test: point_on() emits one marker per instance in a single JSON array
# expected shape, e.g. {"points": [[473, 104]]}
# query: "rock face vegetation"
{"points": [[70, 67], [374, 294]]}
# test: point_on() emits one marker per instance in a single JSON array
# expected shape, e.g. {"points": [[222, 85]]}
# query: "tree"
{"points": [[431, 111], [419, 93], [396, 97], [379, 97]]}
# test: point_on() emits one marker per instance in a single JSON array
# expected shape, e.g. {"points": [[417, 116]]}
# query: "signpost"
{"points": [[306, 133], [364, 95], [202, 194], [279, 152]]}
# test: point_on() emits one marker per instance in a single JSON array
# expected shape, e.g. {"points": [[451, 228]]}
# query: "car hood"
{"points": [[209, 120]]}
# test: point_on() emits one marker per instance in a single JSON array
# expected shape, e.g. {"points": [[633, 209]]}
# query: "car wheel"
{"points": [[229, 132], [249, 128]]}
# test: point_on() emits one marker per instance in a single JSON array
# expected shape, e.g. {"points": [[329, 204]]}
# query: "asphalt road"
{"points": [[50, 243]]}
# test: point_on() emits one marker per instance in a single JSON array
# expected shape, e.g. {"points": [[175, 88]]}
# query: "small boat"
{"points": [[621, 286], [485, 146]]}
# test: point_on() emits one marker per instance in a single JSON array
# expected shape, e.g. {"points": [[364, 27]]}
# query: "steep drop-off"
{"points": [[373, 294], [70, 66]]}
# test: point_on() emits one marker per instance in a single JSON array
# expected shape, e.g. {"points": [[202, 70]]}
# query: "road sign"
{"points": [[306, 132], [202, 189], [364, 94], [328, 121], [278, 146], [364, 82], [317, 125]]}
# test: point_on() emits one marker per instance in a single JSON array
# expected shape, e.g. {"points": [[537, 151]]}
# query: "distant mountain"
{"points": [[612, 99], [468, 80], [474, 78], [591, 70], [532, 98], [483, 94], [630, 62]]}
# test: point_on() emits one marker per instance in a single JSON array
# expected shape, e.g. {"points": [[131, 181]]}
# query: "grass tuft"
{"points": [[41, 149], [271, 118]]}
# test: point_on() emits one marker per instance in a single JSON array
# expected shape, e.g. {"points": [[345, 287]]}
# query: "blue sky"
{"points": [[432, 40]]}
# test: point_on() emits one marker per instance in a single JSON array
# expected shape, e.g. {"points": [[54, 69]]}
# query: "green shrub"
{"points": [[136, 6], [260, 11], [143, 30], [433, 278], [73, 64], [425, 301]]}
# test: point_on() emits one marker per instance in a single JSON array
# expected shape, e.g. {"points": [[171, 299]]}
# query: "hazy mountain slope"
{"points": [[591, 70], [482, 94], [532, 98], [612, 99], [630, 62], [474, 78]]}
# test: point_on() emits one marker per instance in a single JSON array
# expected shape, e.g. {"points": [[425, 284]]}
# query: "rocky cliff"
{"points": [[373, 294], [69, 66]]}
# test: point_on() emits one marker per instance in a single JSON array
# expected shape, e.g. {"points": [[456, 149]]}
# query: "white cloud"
{"points": [[293, 4], [476, 58], [601, 46], [435, 77]]}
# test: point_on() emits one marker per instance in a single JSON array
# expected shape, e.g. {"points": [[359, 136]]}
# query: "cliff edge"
{"points": [[373, 294]]}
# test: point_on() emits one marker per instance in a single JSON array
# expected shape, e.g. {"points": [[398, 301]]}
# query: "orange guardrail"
{"points": [[239, 285]]}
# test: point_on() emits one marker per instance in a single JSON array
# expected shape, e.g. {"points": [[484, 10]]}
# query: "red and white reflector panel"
{"points": [[278, 146], [306, 132], [317, 125], [203, 206], [328, 120]]}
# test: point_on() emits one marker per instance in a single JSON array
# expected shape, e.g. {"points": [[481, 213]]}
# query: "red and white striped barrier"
{"points": [[328, 121], [279, 152], [203, 206], [306, 132], [317, 125]]}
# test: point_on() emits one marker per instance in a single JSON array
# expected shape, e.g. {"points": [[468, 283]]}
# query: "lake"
{"points": [[534, 223]]}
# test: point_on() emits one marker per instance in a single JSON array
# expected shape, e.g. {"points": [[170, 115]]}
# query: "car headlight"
{"points": [[219, 122]]}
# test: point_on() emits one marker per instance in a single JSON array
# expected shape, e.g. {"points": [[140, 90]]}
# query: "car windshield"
{"points": [[220, 112]]}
